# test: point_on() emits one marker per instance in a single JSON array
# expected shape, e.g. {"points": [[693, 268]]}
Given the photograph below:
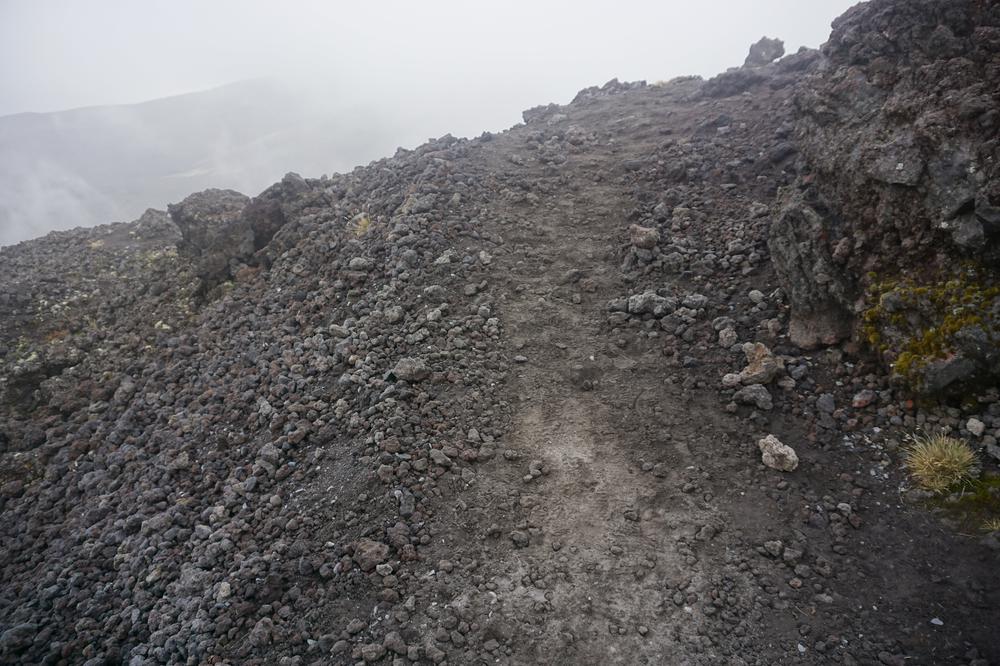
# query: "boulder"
{"points": [[817, 288], [222, 229], [212, 232], [897, 136]]}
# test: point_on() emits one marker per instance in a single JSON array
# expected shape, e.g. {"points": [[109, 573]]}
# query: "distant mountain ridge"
{"points": [[94, 165]]}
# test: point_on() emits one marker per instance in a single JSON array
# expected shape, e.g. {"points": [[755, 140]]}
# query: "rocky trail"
{"points": [[504, 400]]}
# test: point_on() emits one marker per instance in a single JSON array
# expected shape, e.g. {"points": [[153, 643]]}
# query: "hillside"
{"points": [[504, 400]]}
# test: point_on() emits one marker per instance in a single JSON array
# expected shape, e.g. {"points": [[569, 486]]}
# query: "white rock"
{"points": [[776, 455], [976, 427]]}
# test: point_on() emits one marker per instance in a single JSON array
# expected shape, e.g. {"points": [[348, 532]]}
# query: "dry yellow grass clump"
{"points": [[359, 224], [939, 463]]}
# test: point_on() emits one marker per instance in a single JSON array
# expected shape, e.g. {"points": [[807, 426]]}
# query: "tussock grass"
{"points": [[360, 223], [991, 525], [940, 463]]}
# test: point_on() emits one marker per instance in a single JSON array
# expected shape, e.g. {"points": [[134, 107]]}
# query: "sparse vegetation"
{"points": [[939, 463], [992, 524], [917, 323], [359, 224]]}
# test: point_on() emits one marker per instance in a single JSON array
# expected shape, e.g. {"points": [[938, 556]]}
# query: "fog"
{"points": [[184, 95]]}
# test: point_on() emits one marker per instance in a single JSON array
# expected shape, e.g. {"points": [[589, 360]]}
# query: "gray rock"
{"points": [[411, 369], [756, 395], [262, 633], [730, 380], [826, 403], [727, 338], [694, 301], [372, 652], [863, 398], [438, 457], [968, 232], [17, 638], [816, 287], [359, 264], [941, 374], [649, 303], [394, 314]]}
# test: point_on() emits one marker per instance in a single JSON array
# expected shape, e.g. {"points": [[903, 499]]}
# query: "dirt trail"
{"points": [[606, 540]]}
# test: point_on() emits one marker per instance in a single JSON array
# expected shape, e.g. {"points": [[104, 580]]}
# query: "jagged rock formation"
{"points": [[898, 126], [492, 400], [223, 231], [764, 52], [820, 294]]}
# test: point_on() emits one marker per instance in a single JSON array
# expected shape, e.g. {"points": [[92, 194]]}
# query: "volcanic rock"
{"points": [[776, 455]]}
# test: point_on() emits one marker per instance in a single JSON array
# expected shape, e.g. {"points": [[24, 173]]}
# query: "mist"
{"points": [[167, 98]]}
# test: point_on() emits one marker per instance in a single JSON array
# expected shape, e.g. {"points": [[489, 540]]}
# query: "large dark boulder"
{"points": [[213, 234], [803, 257], [222, 230]]}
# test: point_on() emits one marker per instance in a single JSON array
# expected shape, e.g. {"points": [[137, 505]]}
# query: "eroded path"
{"points": [[595, 522], [593, 552]]}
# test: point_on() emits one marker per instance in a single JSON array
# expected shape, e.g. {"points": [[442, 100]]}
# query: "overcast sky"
{"points": [[59, 54]]}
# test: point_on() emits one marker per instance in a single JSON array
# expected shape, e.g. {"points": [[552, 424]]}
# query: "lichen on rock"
{"points": [[936, 335]]}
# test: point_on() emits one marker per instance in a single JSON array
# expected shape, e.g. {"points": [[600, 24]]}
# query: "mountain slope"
{"points": [[488, 401]]}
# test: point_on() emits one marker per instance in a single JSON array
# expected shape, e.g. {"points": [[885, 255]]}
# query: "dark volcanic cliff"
{"points": [[898, 126]]}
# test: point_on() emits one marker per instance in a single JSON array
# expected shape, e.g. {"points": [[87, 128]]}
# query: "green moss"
{"points": [[916, 323], [972, 507]]}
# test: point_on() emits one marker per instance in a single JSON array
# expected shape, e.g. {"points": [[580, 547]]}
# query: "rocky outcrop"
{"points": [[803, 254], [764, 52], [212, 233], [898, 131], [223, 230]]}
